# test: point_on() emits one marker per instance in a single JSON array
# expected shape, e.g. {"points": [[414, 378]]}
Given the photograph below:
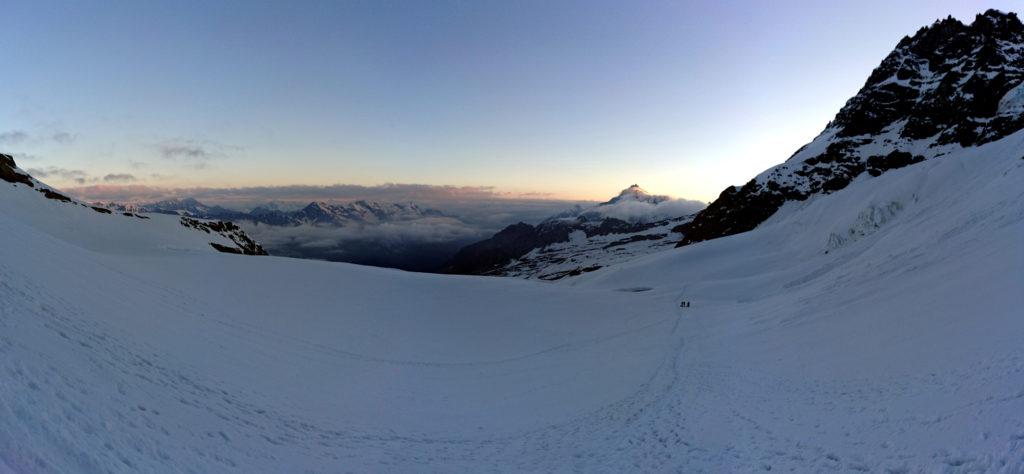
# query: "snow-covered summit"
{"points": [[633, 205], [635, 193]]}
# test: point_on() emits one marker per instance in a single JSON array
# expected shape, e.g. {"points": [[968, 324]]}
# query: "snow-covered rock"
{"points": [[948, 87]]}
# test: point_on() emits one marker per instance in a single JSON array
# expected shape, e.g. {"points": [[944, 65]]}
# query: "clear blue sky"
{"points": [[577, 99]]}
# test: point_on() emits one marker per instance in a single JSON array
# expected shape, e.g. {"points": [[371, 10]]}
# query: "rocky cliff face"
{"points": [[949, 86]]}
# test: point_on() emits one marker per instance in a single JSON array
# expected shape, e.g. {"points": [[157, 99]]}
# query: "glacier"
{"points": [[130, 345]]}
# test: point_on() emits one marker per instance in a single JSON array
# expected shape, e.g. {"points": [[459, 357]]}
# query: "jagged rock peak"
{"points": [[946, 79]]}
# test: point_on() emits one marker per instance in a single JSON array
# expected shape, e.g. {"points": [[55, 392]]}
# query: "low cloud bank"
{"points": [[418, 245], [429, 229]]}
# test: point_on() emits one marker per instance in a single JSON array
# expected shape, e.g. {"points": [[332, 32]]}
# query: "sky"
{"points": [[549, 99]]}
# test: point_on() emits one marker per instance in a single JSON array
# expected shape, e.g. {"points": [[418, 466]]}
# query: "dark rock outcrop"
{"points": [[9, 173], [876, 165], [51, 194]]}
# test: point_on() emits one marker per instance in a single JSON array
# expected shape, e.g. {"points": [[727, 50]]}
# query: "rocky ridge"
{"points": [[949, 86]]}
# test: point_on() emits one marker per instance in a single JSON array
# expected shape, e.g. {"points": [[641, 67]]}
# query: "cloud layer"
{"points": [[195, 153], [13, 137], [18, 137], [63, 174], [119, 178]]}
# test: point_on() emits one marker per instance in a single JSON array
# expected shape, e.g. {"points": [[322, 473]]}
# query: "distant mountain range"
{"points": [[394, 235], [316, 213]]}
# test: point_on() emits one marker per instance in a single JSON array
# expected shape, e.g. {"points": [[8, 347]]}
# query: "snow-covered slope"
{"points": [[97, 228], [893, 347], [176, 361], [873, 329]]}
